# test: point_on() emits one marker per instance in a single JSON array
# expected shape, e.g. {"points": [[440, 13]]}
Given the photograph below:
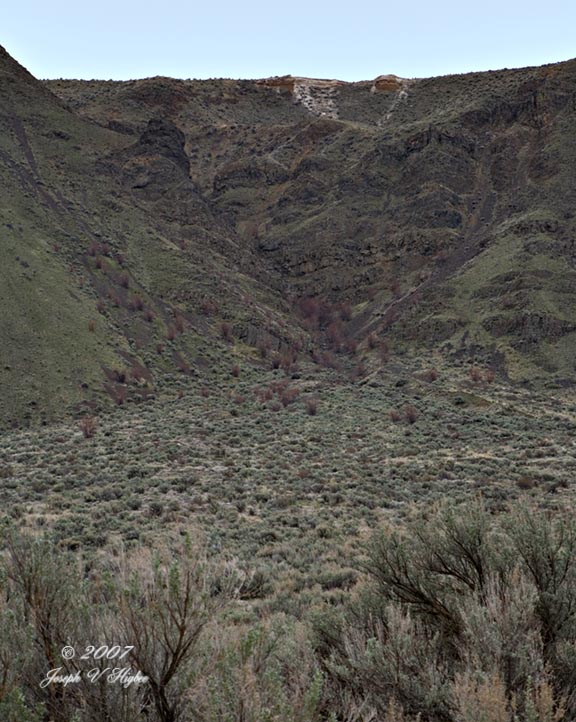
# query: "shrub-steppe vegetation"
{"points": [[287, 410], [459, 615]]}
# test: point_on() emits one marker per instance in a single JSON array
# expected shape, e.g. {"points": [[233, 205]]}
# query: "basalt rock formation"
{"points": [[440, 210]]}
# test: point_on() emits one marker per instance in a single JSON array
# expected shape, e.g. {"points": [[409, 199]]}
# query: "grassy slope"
{"points": [[69, 230], [48, 349]]}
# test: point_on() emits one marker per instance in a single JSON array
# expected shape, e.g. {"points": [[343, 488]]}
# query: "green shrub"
{"points": [[460, 608]]}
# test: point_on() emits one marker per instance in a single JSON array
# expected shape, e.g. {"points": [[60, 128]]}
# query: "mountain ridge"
{"points": [[437, 211]]}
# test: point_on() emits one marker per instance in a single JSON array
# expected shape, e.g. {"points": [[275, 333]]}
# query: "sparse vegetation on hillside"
{"points": [[255, 363]]}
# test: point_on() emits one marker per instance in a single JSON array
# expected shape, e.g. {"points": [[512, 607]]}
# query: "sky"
{"points": [[356, 40]]}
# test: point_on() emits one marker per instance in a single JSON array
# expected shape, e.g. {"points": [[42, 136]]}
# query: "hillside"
{"points": [[95, 273], [146, 223], [287, 404], [454, 194]]}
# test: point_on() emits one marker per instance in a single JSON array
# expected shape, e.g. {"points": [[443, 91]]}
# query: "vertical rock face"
{"points": [[157, 161], [163, 138], [387, 84]]}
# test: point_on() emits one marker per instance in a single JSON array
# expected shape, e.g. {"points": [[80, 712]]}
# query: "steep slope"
{"points": [[107, 251], [48, 351], [152, 230], [433, 205]]}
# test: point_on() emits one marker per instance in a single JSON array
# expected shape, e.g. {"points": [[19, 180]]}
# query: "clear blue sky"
{"points": [[123, 39]]}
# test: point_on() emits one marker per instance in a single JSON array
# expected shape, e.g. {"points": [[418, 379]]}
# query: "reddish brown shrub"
{"points": [[351, 347], [475, 374], [180, 324], [265, 394], [430, 375], [88, 426], [182, 365], [235, 371], [263, 347], [526, 483], [289, 395], [384, 352], [288, 361], [124, 280], [136, 303], [334, 334], [358, 372], [410, 413], [311, 406], [91, 325], [226, 331], [329, 361], [345, 311], [309, 307], [208, 307], [395, 416], [120, 375], [325, 313]]}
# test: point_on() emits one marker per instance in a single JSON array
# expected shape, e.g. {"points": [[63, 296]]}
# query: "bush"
{"points": [[410, 413], [264, 673], [226, 331], [165, 610], [311, 407], [475, 374], [465, 618], [50, 599], [289, 395], [88, 426], [430, 375]]}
